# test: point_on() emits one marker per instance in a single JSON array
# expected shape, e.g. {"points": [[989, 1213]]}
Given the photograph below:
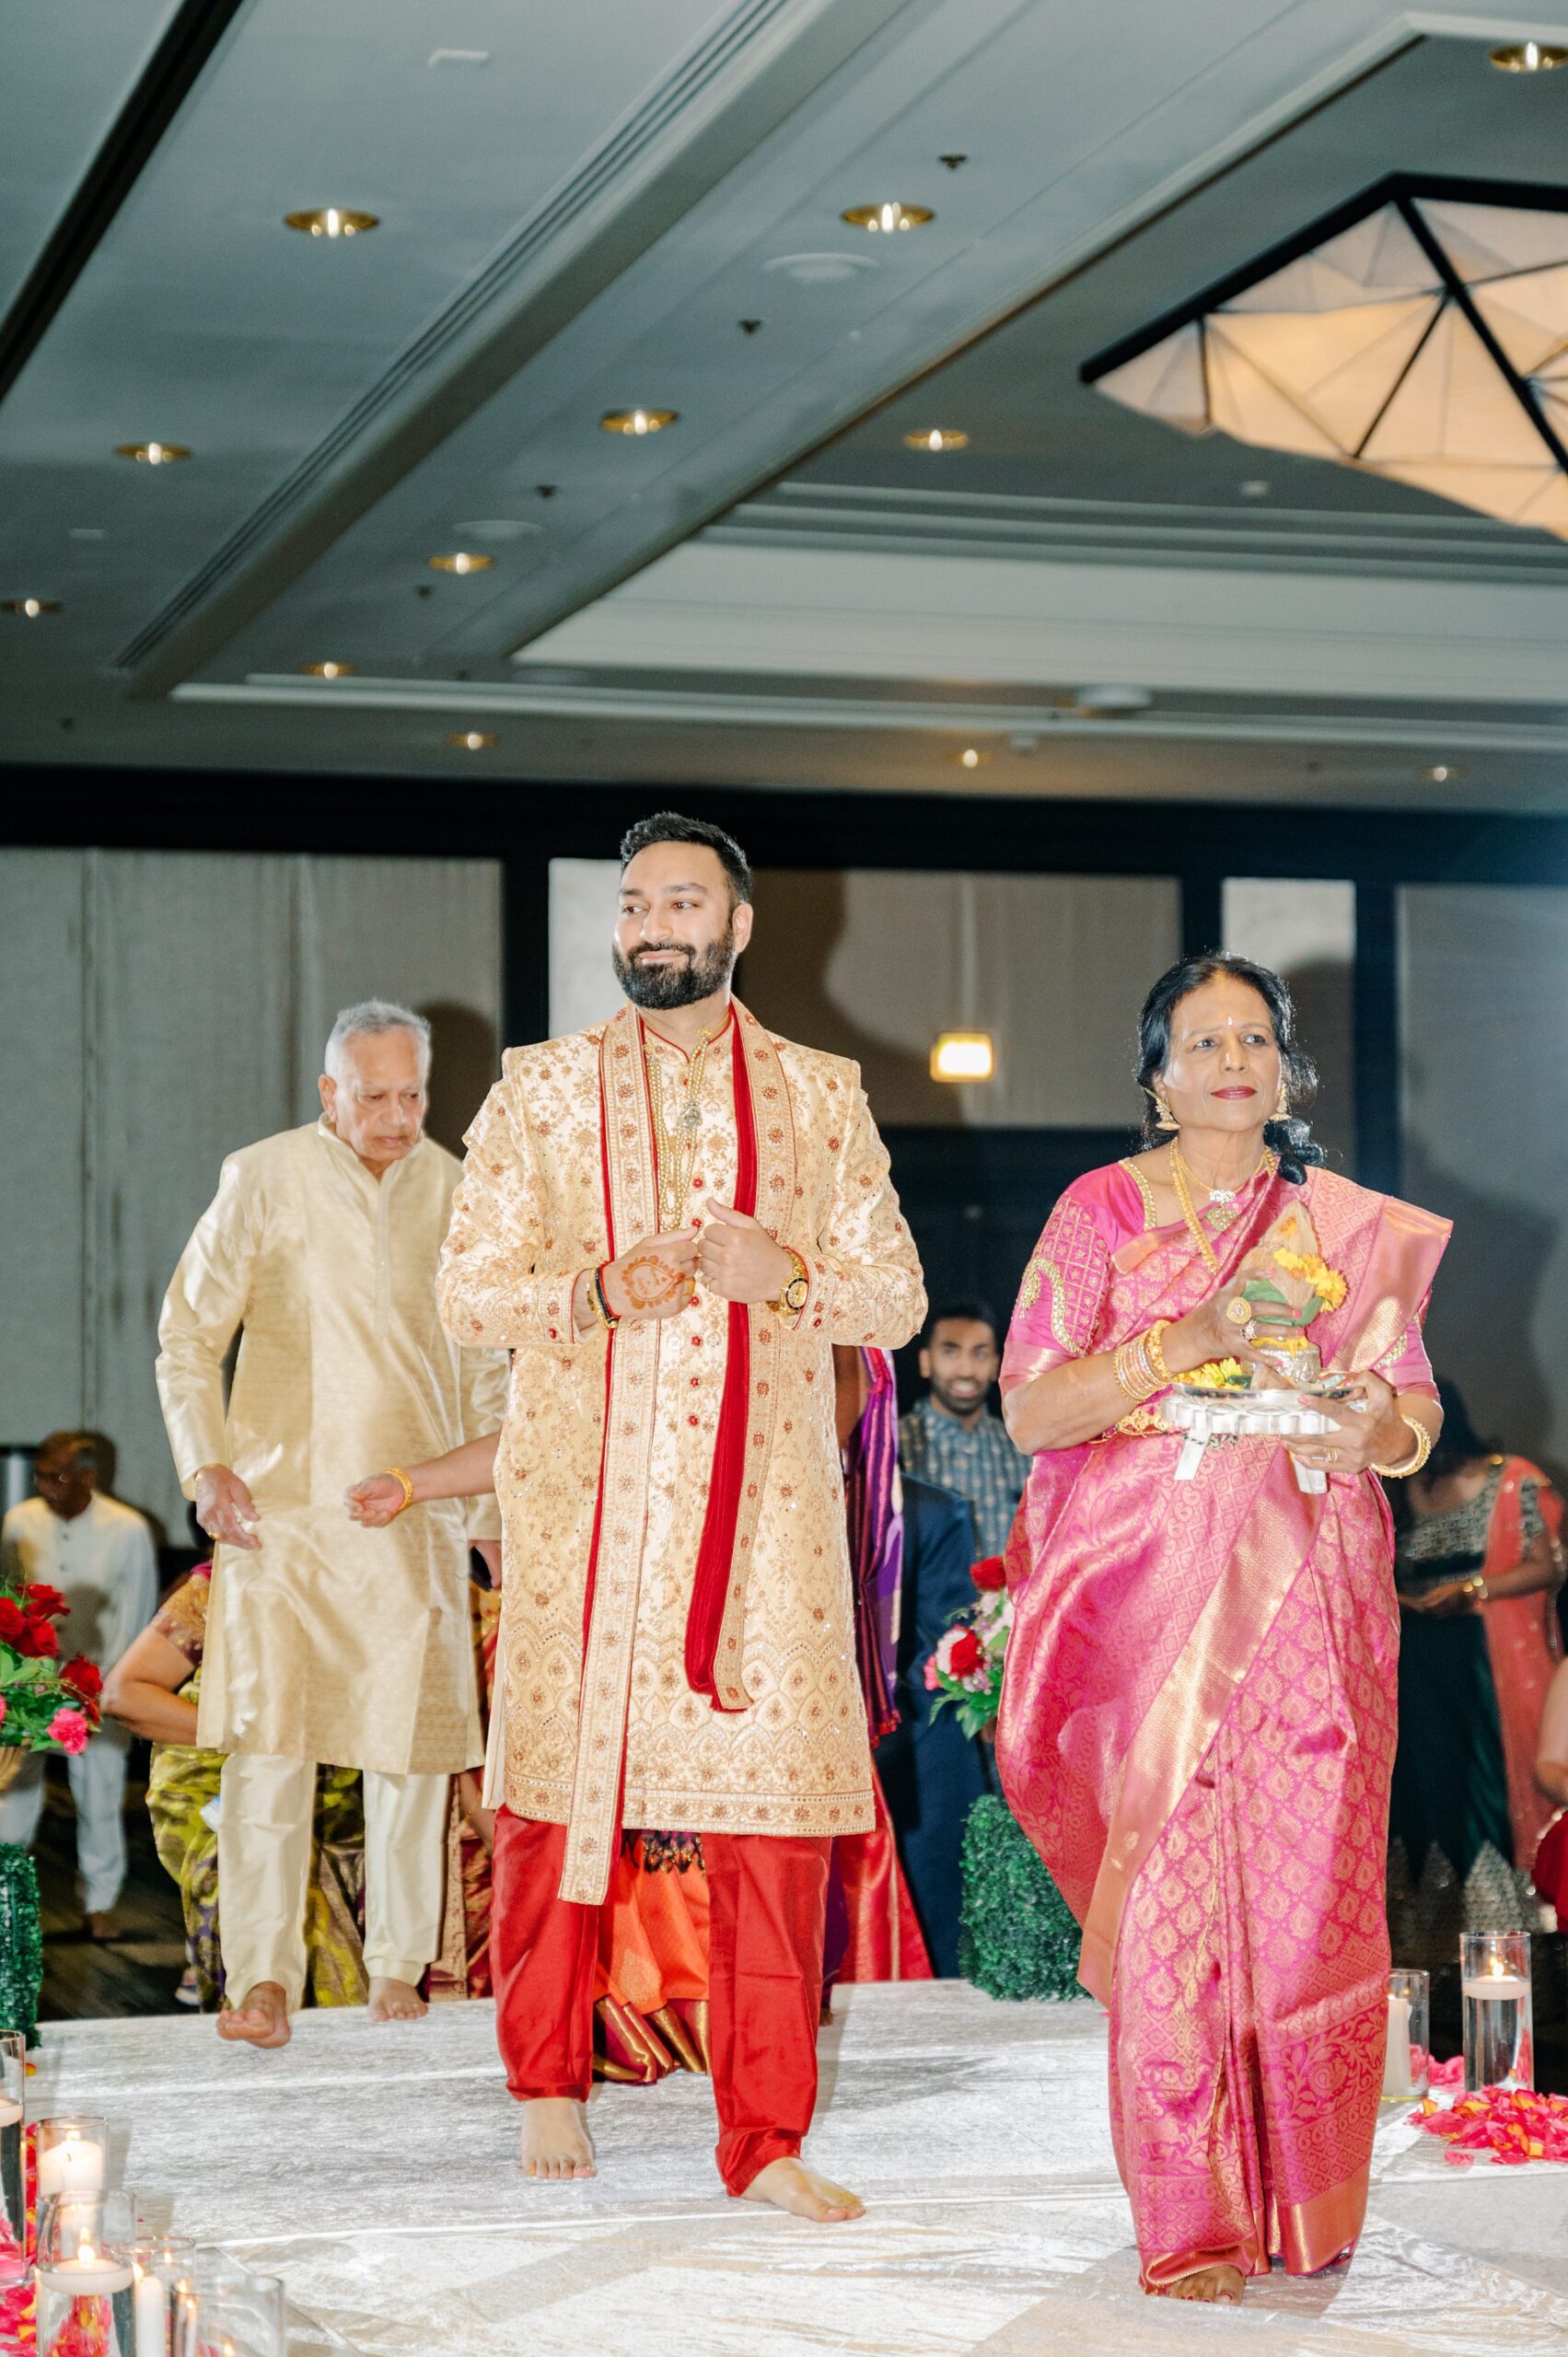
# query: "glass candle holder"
{"points": [[237, 2315], [1494, 1979], [13, 2175], [73, 2151], [85, 2280], [162, 2267], [1407, 2062]]}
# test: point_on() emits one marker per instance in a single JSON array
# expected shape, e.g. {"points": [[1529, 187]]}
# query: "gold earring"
{"points": [[1164, 1117], [1281, 1102]]}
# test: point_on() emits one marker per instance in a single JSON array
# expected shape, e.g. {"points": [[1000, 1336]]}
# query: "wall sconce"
{"points": [[963, 1055]]}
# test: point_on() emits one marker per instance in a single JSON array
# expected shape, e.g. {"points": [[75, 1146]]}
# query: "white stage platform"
{"points": [[376, 2170]]}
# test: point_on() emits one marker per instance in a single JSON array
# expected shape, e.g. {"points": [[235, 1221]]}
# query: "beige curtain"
{"points": [[161, 1010]]}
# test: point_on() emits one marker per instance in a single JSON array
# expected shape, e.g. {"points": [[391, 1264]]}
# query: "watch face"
{"points": [[795, 1293]]}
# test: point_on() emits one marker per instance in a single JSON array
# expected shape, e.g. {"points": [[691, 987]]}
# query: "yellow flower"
{"points": [[1214, 1375], [1325, 1282]]}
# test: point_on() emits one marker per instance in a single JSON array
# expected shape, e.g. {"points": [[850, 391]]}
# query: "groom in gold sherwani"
{"points": [[670, 1220]]}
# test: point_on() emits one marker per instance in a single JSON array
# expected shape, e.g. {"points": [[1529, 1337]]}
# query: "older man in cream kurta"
{"points": [[327, 1642], [676, 1641]]}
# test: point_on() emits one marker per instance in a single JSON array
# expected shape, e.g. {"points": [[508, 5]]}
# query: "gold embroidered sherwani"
{"points": [[330, 1643], [620, 1512]]}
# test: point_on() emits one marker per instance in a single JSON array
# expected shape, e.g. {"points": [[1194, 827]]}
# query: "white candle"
{"points": [[72, 2165], [152, 2317], [85, 2277], [1496, 1985], [1397, 2059]]}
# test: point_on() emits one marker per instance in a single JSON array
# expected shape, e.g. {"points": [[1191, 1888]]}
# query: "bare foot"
{"points": [[394, 2001], [106, 1926], [261, 2020], [556, 2144], [790, 2184], [1208, 2283]]}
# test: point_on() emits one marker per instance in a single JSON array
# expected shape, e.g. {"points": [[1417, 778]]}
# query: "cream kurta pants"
{"points": [[264, 1841]]}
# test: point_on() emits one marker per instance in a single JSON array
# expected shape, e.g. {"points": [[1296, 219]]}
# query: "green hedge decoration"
{"points": [[1019, 1938], [21, 1943]]}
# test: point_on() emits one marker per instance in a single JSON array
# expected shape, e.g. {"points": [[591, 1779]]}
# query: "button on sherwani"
{"points": [[616, 1453]]}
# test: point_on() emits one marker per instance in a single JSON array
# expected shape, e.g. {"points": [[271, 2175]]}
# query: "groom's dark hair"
{"points": [[669, 827]]}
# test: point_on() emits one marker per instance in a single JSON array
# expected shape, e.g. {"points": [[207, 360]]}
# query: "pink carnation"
{"points": [[2, 1710], [68, 1728], [933, 1675]]}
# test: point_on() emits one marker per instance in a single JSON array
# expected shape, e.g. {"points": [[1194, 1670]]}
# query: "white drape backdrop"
{"points": [[161, 1009]]}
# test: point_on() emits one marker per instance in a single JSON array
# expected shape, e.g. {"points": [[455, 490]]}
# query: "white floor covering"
{"points": [[375, 2169]]}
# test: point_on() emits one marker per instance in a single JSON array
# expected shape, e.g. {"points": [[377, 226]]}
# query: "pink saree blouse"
{"points": [[1198, 1726]]}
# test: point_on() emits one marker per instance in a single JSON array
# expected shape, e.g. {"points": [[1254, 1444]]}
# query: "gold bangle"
{"points": [[1133, 1371], [1423, 1451], [1154, 1351], [396, 1473]]}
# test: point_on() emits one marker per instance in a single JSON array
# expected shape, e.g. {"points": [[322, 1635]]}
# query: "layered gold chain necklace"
{"points": [[1180, 1178], [676, 1152]]}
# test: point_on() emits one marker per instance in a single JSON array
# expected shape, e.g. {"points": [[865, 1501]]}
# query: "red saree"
{"points": [[1197, 1733], [1524, 1645]]}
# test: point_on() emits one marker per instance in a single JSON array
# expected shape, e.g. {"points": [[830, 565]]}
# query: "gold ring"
{"points": [[1239, 1310]]}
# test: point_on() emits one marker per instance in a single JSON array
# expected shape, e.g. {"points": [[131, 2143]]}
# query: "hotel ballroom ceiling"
{"points": [[637, 204]]}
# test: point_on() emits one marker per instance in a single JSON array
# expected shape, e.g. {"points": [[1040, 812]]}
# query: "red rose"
{"points": [[989, 1573], [965, 1655], [82, 1676], [13, 1622], [44, 1602], [37, 1639]]}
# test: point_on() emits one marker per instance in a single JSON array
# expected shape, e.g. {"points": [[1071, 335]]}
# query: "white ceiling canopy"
{"points": [[1419, 333]]}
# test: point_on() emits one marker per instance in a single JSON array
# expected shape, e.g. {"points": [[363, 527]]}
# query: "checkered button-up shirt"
{"points": [[978, 1460]]}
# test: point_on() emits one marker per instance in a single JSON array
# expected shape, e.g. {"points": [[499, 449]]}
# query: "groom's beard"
{"points": [[700, 973]]}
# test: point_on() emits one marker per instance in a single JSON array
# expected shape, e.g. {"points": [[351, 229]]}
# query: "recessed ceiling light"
{"points": [[462, 561], [1528, 57], [458, 57], [88, 532], [888, 216], [938, 437], [152, 454], [1112, 699], [328, 671], [30, 609], [821, 270], [1254, 488], [498, 528], [963, 1055], [637, 421], [470, 740], [971, 758], [1441, 773], [331, 221]]}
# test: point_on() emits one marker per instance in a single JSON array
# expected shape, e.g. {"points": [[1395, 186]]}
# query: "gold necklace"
{"points": [[1180, 1174], [676, 1156]]}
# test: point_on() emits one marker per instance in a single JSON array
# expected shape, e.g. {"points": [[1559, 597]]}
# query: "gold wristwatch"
{"points": [[792, 1297]]}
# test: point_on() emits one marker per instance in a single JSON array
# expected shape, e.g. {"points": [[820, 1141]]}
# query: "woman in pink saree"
{"points": [[1198, 1726]]}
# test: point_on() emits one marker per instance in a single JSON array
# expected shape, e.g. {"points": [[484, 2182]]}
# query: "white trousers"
{"points": [[264, 1848], [97, 1791]]}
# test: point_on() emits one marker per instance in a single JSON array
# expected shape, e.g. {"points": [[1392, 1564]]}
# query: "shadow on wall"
{"points": [[784, 979], [465, 1059], [1485, 1303]]}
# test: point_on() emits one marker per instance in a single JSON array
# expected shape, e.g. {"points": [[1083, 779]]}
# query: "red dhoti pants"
{"points": [[768, 1894]]}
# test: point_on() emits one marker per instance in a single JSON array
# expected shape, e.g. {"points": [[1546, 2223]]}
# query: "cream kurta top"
{"points": [[330, 1643], [528, 1216]]}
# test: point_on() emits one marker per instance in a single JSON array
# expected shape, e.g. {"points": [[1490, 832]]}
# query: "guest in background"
{"points": [[1550, 1873], [932, 1771], [99, 1555], [153, 1691], [329, 1642], [951, 1437], [1477, 1565]]}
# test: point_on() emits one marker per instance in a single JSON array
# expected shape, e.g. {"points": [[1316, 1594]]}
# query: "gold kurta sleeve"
{"points": [[483, 1383], [866, 1287], [505, 1277], [202, 1313]]}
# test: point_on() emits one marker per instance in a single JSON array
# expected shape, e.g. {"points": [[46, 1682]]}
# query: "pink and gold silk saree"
{"points": [[1197, 1734]]}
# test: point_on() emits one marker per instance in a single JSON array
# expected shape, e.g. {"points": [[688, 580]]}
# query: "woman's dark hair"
{"points": [[1460, 1444], [1289, 1137]]}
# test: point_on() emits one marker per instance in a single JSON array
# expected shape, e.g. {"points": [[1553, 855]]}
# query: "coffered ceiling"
{"points": [[624, 204]]}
